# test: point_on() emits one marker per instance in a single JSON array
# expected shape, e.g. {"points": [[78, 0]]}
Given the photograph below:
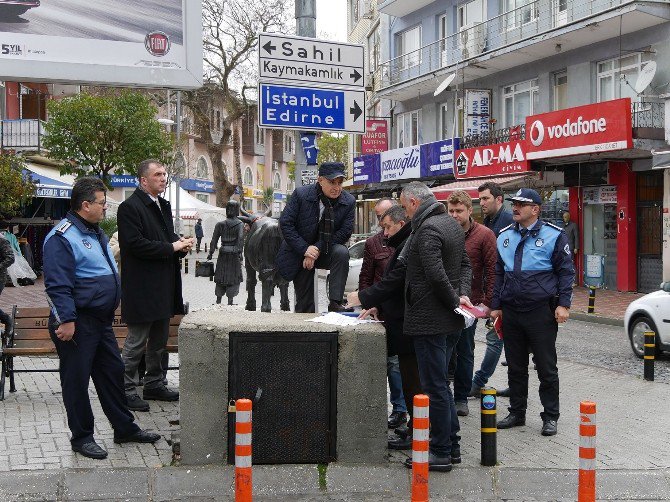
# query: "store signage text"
{"points": [[401, 163], [599, 127], [504, 158], [375, 139]]}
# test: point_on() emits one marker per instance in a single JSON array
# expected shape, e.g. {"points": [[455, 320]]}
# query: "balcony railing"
{"points": [[21, 134], [514, 133], [527, 21], [649, 114]]}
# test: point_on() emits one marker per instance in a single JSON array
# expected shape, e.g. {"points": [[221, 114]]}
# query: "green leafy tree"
{"points": [[332, 148], [268, 197], [101, 134], [15, 188]]}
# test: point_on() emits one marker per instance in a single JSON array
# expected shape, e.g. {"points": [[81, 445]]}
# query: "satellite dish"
{"points": [[445, 83], [646, 76]]}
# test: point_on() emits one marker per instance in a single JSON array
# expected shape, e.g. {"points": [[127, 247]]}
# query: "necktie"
{"points": [[523, 231]]}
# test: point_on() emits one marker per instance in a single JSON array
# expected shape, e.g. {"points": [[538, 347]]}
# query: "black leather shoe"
{"points": [[512, 420], [475, 391], [139, 437], [403, 431], [503, 392], [136, 403], [549, 427], [439, 464], [335, 306], [90, 450], [398, 443], [161, 393], [396, 419]]}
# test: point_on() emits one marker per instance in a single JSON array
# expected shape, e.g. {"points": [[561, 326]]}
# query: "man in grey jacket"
{"points": [[437, 281]]}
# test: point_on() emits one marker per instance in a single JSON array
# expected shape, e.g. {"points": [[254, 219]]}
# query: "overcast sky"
{"points": [[331, 19]]}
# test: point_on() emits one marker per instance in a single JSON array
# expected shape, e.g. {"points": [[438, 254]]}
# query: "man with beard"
{"points": [[315, 224]]}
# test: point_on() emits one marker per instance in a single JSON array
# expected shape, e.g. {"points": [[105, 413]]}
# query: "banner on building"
{"points": [[437, 158], [477, 112], [308, 140], [375, 139], [599, 127], [366, 169], [197, 185], [491, 160], [123, 180], [401, 163]]}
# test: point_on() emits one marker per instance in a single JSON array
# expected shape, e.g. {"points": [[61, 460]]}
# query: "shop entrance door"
{"points": [[600, 233], [649, 245]]}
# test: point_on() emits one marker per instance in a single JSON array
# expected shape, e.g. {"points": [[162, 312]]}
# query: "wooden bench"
{"points": [[30, 337]]}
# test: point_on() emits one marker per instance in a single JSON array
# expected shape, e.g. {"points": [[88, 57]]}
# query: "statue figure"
{"points": [[260, 250], [228, 274]]}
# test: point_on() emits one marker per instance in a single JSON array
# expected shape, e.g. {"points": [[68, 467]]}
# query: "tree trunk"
{"points": [[237, 162]]}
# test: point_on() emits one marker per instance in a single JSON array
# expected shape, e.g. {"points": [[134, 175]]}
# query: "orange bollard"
{"points": [[587, 452], [420, 442], [243, 486]]}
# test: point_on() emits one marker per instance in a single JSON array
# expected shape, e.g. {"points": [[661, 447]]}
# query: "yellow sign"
{"points": [[247, 192]]}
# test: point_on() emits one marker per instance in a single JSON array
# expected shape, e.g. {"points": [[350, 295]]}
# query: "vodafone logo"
{"points": [[537, 133]]}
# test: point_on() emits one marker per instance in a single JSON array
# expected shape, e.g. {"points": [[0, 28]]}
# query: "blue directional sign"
{"points": [[311, 108]]}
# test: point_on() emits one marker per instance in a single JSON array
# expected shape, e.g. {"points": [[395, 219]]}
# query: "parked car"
{"points": [[649, 313], [16, 7], [355, 261]]}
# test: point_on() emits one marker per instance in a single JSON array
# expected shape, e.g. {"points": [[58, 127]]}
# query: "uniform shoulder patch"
{"points": [[506, 228], [553, 226], [63, 226]]}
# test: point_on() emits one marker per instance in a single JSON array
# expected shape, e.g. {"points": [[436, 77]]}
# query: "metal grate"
{"points": [[292, 380]]}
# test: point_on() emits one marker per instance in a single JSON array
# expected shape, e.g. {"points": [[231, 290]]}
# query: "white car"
{"points": [[649, 313], [355, 261]]}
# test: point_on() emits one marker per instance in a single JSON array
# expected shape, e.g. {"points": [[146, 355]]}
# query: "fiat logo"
{"points": [[157, 43], [537, 133]]}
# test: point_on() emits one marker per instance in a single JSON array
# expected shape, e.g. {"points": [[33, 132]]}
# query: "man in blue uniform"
{"points": [[83, 285], [532, 293]]}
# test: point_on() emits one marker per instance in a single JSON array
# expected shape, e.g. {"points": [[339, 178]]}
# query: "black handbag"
{"points": [[204, 269]]}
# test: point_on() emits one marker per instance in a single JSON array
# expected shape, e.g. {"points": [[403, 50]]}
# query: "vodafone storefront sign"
{"points": [[600, 127]]}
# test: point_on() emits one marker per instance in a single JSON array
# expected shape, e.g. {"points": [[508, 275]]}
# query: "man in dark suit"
{"points": [[151, 287], [316, 224], [437, 281]]}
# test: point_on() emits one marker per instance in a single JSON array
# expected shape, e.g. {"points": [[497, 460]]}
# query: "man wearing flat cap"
{"points": [[532, 294], [315, 224]]}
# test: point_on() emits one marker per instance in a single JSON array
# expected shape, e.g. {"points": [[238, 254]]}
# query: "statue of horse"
{"points": [[260, 250]]}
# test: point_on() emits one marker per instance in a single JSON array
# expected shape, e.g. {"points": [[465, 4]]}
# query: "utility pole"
{"points": [[177, 221], [305, 23]]}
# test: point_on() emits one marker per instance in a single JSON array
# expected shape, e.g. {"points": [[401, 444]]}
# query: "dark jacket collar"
{"points": [[82, 224], [534, 231], [313, 195], [427, 208], [144, 197], [397, 239]]}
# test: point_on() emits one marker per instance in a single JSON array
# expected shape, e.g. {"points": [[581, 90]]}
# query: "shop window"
{"points": [[519, 101], [201, 169], [561, 90], [408, 47], [248, 177], [408, 127], [616, 77]]}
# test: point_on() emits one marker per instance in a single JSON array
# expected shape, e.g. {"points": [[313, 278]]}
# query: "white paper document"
{"points": [[338, 319]]}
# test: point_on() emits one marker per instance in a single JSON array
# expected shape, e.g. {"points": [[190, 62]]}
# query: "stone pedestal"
{"points": [[203, 382]]}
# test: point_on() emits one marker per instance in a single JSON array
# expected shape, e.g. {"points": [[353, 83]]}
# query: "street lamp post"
{"points": [[176, 177]]}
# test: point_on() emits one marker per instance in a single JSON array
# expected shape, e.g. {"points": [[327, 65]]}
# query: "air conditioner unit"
{"points": [[472, 40]]}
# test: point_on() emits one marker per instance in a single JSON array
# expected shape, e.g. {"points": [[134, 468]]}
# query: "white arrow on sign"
{"points": [[307, 60]]}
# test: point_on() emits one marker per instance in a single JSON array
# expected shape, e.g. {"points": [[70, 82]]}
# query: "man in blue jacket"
{"points": [[83, 285], [532, 293], [315, 224]]}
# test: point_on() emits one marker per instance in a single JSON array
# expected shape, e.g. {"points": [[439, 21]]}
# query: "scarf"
{"points": [[426, 208], [327, 223]]}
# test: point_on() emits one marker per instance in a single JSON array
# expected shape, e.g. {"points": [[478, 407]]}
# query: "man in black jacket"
{"points": [[437, 281], [151, 287]]}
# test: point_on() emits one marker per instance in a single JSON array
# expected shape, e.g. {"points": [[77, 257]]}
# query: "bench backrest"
{"points": [[31, 329]]}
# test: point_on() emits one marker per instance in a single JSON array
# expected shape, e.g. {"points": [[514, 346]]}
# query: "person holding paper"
{"points": [[532, 293], [480, 244]]}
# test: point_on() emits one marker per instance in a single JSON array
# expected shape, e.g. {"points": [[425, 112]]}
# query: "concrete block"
{"points": [[29, 485], [204, 357], [193, 482], [105, 484]]}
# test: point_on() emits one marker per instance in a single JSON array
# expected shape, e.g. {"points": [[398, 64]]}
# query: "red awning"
{"points": [[187, 214], [469, 186]]}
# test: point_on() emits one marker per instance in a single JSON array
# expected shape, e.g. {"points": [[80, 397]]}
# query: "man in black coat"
{"points": [[437, 281], [315, 224], [151, 286]]}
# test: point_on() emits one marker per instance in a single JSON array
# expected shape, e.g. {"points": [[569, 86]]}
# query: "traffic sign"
{"points": [[306, 60], [311, 108]]}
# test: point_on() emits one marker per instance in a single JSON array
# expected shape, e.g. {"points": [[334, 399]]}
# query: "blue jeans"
{"points": [[432, 356], [494, 347], [465, 363], [395, 384]]}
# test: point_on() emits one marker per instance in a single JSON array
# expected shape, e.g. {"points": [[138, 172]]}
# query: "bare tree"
{"points": [[230, 39]]}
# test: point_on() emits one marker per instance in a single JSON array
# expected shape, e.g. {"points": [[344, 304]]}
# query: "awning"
{"points": [[186, 214], [49, 182], [470, 186]]}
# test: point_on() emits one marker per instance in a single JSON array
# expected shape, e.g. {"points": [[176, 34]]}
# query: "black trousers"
{"points": [[411, 382], [337, 261], [94, 354], [525, 332]]}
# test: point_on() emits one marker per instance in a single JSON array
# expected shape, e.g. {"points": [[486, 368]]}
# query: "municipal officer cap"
{"points": [[526, 196], [332, 170]]}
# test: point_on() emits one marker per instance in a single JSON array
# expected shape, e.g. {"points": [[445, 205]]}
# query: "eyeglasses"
{"points": [[523, 204], [103, 203]]}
